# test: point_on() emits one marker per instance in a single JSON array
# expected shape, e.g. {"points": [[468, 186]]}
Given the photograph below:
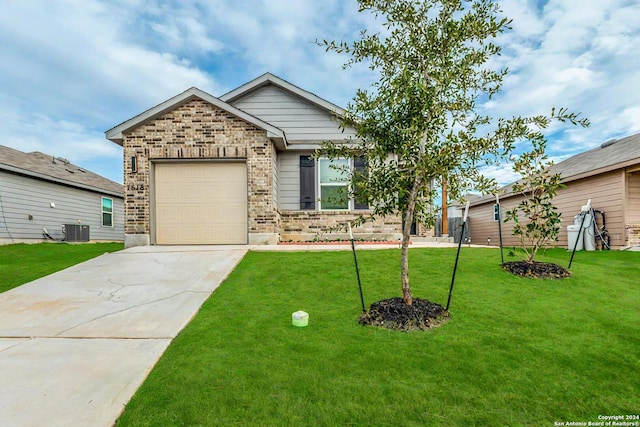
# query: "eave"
{"points": [[116, 134]]}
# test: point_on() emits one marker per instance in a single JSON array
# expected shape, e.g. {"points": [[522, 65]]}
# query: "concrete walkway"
{"points": [[76, 345]]}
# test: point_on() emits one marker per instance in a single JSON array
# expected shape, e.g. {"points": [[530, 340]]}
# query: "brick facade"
{"points": [[199, 130], [309, 225], [633, 235]]}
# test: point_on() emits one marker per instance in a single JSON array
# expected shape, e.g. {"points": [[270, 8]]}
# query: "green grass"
{"points": [[516, 352], [22, 263]]}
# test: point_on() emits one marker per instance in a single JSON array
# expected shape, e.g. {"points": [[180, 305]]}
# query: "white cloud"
{"points": [[503, 173], [577, 54], [280, 37], [65, 58], [68, 75], [70, 70], [61, 138], [526, 18]]}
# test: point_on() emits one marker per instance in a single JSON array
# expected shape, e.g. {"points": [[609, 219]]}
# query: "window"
{"points": [[334, 184], [320, 182], [107, 212]]}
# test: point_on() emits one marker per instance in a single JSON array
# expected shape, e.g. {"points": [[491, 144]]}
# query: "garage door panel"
{"points": [[191, 192], [201, 203], [219, 212], [166, 173], [167, 213], [168, 233], [227, 195], [168, 191]]}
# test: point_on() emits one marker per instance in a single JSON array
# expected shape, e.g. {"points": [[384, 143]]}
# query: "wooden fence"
{"points": [[455, 225]]}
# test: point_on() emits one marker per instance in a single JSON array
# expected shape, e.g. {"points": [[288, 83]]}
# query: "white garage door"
{"points": [[200, 203]]}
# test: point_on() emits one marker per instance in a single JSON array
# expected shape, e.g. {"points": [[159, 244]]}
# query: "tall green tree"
{"points": [[420, 121]]}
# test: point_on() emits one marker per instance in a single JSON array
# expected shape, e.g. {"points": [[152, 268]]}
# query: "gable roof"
{"points": [[271, 79], [43, 166], [609, 156], [115, 134]]}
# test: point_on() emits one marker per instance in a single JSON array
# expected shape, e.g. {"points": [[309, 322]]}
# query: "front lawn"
{"points": [[516, 351], [22, 263]]}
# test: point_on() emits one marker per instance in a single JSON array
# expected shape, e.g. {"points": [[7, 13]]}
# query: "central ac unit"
{"points": [[76, 233]]}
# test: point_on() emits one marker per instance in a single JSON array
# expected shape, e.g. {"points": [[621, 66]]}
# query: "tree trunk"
{"points": [[406, 235]]}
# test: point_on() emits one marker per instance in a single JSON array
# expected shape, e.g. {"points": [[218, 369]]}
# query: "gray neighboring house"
{"points": [[237, 169], [41, 192], [609, 175]]}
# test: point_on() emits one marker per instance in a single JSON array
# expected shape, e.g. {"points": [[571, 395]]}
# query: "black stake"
{"points": [[355, 260], [584, 216], [500, 229], [455, 267]]}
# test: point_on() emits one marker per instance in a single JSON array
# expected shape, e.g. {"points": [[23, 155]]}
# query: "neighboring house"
{"points": [[455, 216], [40, 192], [456, 208], [236, 169], [609, 175]]}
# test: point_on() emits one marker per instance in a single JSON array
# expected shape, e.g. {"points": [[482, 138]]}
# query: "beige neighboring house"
{"points": [[41, 192], [609, 175], [237, 169]]}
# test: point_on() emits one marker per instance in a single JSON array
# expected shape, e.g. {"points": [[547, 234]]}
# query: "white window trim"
{"points": [[340, 184], [102, 199]]}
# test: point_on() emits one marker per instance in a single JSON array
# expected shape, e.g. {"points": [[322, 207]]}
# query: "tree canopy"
{"points": [[421, 121]]}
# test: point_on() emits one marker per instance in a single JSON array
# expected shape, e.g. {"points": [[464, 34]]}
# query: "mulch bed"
{"points": [[537, 270], [394, 314]]}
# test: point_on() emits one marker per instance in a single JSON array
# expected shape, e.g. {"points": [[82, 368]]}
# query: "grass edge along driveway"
{"points": [[21, 263], [517, 351]]}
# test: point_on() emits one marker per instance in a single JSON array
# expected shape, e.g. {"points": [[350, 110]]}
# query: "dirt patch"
{"points": [[537, 270], [394, 314]]}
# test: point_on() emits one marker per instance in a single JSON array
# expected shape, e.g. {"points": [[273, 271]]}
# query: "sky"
{"points": [[72, 69]]}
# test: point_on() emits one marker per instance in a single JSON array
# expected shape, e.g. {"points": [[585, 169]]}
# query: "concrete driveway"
{"points": [[76, 345]]}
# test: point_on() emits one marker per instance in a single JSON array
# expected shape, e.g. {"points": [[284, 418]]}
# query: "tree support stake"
{"points": [[355, 260], [455, 267]]}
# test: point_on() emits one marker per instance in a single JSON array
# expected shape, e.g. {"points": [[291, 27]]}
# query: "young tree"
{"points": [[538, 186], [420, 122]]}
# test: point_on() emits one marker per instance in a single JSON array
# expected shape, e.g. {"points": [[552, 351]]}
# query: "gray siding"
{"points": [[22, 196], [299, 120], [289, 179]]}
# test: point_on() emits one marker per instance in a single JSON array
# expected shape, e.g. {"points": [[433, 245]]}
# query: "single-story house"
{"points": [[609, 175], [237, 169], [44, 197]]}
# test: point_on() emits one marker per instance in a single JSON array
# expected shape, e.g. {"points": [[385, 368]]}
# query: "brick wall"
{"points": [[199, 130], [305, 225], [633, 235]]}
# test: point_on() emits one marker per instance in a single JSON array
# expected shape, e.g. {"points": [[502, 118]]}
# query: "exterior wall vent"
{"points": [[76, 233]]}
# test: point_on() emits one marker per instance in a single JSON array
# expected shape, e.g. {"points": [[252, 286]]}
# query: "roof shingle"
{"points": [[55, 169], [605, 156], [609, 156]]}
